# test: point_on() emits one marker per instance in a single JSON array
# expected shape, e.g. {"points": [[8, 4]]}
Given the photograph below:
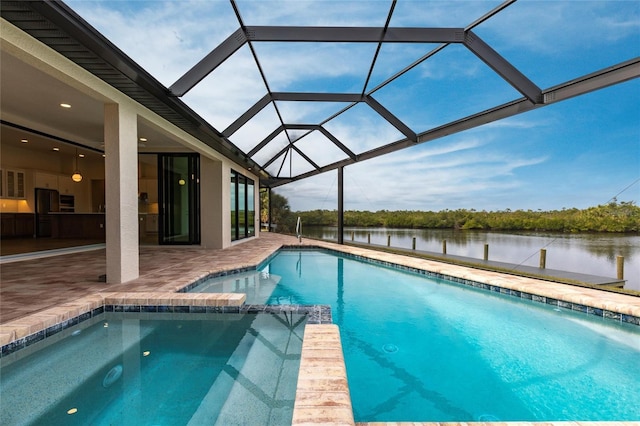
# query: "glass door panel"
{"points": [[251, 209], [179, 198], [234, 210], [242, 200]]}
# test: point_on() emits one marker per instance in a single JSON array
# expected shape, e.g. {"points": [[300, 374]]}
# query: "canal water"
{"points": [[593, 254]]}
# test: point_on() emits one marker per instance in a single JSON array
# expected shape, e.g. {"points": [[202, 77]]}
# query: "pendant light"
{"points": [[76, 176]]}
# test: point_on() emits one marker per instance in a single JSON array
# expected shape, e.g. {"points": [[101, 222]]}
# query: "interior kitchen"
{"points": [[52, 193]]}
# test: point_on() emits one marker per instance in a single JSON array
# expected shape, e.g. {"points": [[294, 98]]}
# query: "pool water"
{"points": [[158, 369], [421, 349]]}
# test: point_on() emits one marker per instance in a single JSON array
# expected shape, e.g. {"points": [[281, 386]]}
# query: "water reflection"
{"points": [[586, 253]]}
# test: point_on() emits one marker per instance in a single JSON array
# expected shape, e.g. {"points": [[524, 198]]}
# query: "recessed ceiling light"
{"points": [[55, 148], [24, 140], [103, 155], [65, 105], [81, 155], [143, 139]]}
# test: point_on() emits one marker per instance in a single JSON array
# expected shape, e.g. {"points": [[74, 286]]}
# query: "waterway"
{"points": [[593, 254]]}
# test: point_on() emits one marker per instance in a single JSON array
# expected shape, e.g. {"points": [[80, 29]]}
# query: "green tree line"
{"points": [[611, 217]]}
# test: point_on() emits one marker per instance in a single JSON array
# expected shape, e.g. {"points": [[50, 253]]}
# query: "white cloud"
{"points": [[563, 26], [165, 37], [477, 168], [443, 175], [315, 13]]}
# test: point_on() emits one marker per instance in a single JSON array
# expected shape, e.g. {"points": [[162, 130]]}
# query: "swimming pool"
{"points": [[157, 369], [424, 349]]}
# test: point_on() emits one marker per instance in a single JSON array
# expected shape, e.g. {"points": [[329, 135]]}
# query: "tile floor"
{"points": [[30, 286]]}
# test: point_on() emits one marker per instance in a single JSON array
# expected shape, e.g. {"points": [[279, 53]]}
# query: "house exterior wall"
{"points": [[120, 144]]}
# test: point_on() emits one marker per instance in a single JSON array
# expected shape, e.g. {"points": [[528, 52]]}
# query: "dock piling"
{"points": [[620, 267], [543, 258]]}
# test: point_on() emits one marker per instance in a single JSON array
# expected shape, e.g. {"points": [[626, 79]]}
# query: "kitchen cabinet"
{"points": [[78, 225], [150, 187], [66, 186], [46, 180], [152, 224], [24, 225], [17, 225], [7, 225], [15, 184]]}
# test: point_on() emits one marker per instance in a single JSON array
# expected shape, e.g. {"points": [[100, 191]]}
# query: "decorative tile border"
{"points": [[316, 314], [20, 334], [26, 341], [191, 286], [602, 313], [23, 333]]}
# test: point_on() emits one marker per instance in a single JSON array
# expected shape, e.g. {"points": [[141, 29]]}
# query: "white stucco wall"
{"points": [[215, 168]]}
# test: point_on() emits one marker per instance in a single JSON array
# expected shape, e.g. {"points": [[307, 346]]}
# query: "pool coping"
{"points": [[616, 307], [322, 391], [22, 333], [29, 329]]}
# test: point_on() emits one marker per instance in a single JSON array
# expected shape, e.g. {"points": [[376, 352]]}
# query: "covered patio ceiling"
{"points": [[314, 98]]}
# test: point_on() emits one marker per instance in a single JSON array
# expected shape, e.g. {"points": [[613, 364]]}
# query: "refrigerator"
{"points": [[47, 201]]}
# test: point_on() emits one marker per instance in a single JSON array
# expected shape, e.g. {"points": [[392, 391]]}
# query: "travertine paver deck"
{"points": [[38, 293], [322, 396], [30, 286]]}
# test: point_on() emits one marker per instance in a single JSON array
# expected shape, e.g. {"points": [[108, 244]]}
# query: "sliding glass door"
{"points": [[179, 188], [243, 211]]}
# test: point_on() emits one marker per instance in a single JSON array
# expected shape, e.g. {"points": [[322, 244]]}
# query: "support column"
{"points": [[121, 187], [214, 201], [340, 206]]}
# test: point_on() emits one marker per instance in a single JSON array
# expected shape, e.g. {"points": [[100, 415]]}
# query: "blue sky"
{"points": [[576, 153]]}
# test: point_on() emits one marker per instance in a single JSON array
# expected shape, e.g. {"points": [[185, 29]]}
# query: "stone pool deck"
{"points": [[38, 294]]}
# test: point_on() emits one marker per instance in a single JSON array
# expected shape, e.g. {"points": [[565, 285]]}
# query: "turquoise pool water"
{"points": [[157, 369], [421, 349]]}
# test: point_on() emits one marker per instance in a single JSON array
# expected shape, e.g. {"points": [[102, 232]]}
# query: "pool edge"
{"points": [[80, 309]]}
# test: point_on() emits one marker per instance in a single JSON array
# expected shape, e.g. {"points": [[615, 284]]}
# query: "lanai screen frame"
{"points": [[533, 96], [57, 25]]}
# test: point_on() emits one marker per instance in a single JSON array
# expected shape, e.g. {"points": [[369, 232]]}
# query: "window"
{"points": [[242, 207]]}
